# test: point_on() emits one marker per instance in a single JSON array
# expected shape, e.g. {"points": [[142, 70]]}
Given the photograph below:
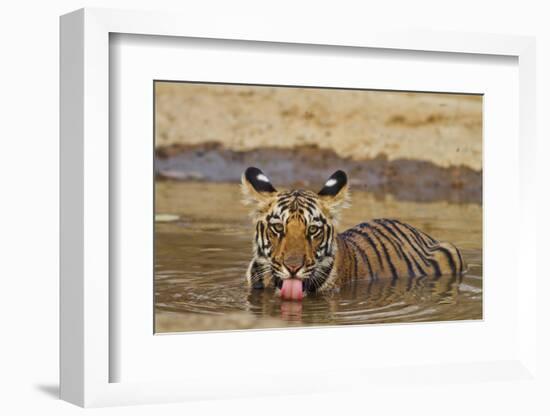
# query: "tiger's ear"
{"points": [[256, 186], [334, 194]]}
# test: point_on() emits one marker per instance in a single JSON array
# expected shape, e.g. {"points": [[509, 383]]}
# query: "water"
{"points": [[203, 247]]}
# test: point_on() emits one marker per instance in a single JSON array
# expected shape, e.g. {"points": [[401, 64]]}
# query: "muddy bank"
{"points": [[444, 129], [309, 166]]}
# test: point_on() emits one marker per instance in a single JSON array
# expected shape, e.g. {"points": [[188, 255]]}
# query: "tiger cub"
{"points": [[297, 250]]}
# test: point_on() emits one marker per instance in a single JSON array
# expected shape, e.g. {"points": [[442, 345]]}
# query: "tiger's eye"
{"points": [[278, 227], [312, 229]]}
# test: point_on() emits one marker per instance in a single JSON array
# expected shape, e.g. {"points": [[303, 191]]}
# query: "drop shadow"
{"points": [[51, 390]]}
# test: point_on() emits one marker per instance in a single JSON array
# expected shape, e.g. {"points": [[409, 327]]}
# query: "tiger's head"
{"points": [[295, 241]]}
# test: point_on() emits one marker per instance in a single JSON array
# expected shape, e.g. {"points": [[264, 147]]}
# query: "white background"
{"points": [[29, 208]]}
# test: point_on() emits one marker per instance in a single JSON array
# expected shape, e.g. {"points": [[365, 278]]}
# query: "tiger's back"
{"points": [[388, 248]]}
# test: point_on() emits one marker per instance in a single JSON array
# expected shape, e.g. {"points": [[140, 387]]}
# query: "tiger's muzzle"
{"points": [[292, 287], [293, 264]]}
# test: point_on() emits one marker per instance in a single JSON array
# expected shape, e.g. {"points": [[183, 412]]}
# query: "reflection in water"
{"points": [[291, 311], [201, 258]]}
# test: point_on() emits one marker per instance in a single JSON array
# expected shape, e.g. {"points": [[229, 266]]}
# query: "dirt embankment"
{"points": [[417, 146], [444, 129]]}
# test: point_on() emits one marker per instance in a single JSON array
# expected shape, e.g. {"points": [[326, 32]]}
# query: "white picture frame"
{"points": [[87, 330]]}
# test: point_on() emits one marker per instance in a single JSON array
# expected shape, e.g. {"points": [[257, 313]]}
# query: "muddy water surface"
{"points": [[203, 246]]}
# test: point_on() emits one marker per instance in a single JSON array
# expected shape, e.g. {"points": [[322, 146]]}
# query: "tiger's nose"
{"points": [[294, 264]]}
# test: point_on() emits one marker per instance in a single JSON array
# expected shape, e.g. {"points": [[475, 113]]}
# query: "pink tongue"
{"points": [[292, 289]]}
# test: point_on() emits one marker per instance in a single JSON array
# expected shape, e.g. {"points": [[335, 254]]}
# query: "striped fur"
{"points": [[295, 237], [388, 248]]}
